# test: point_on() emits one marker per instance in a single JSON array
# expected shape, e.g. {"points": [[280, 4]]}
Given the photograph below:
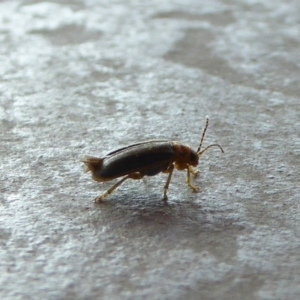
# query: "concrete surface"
{"points": [[85, 77]]}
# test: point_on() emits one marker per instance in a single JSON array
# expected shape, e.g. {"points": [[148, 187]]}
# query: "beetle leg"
{"points": [[109, 191], [189, 171], [170, 171], [192, 170]]}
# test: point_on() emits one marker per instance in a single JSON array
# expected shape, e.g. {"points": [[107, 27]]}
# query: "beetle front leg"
{"points": [[109, 191], [189, 171], [169, 170], [192, 170]]}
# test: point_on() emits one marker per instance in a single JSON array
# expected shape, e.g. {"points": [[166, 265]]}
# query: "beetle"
{"points": [[146, 159]]}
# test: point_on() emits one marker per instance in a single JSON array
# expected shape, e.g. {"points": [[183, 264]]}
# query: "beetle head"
{"points": [[194, 158], [199, 151]]}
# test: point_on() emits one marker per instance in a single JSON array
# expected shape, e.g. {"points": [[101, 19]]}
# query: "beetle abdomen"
{"points": [[92, 163], [148, 158], [155, 170]]}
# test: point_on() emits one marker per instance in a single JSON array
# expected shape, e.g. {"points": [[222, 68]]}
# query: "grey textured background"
{"points": [[86, 77]]}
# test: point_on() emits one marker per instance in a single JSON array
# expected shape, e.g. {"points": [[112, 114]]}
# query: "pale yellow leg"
{"points": [[109, 191], [189, 171], [170, 171], [192, 170]]}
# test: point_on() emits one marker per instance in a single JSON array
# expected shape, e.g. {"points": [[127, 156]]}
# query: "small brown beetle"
{"points": [[146, 159]]}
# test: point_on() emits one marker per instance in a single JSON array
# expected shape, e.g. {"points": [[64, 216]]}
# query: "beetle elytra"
{"points": [[146, 159]]}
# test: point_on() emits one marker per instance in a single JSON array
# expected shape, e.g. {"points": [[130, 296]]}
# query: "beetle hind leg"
{"points": [[109, 191], [190, 171]]}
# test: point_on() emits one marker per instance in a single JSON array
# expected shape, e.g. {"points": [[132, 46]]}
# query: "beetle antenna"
{"points": [[212, 145], [199, 152], [203, 134]]}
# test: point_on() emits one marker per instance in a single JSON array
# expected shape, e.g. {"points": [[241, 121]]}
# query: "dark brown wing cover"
{"points": [[147, 158]]}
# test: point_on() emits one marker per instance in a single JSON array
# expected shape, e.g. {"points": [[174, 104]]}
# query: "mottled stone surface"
{"points": [[85, 77]]}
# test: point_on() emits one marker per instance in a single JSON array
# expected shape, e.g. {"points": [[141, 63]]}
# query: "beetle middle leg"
{"points": [[136, 176], [169, 170]]}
